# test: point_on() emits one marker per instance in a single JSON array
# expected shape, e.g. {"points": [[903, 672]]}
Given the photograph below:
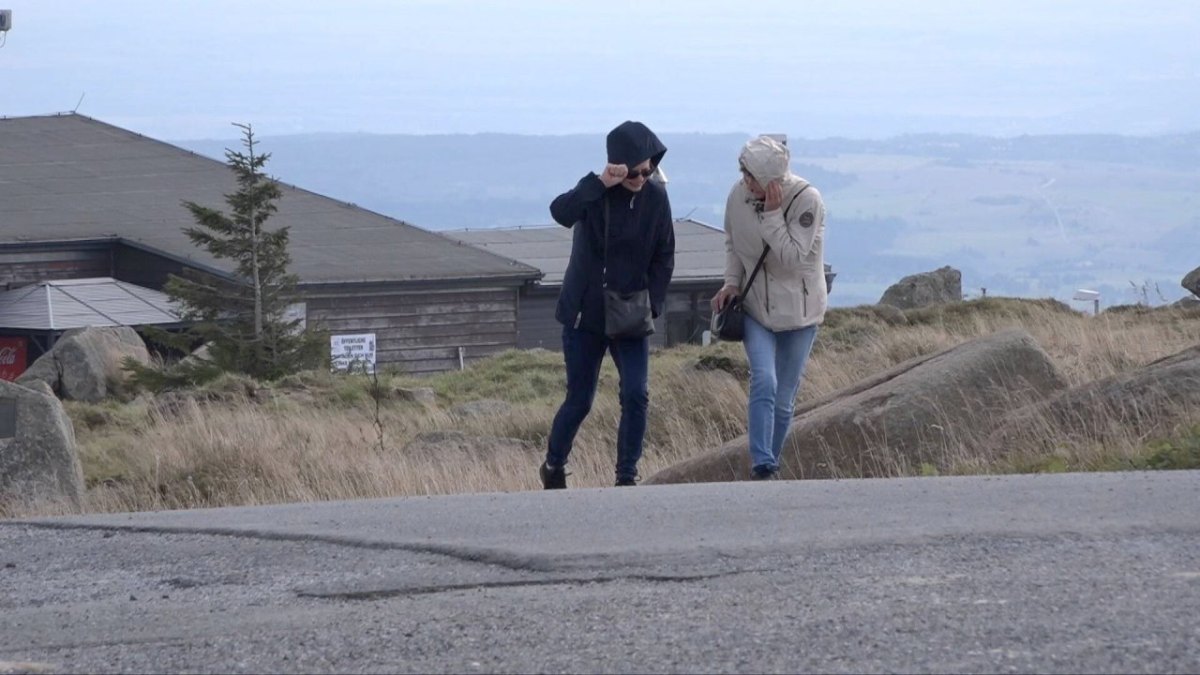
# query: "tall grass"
{"points": [[316, 436]]}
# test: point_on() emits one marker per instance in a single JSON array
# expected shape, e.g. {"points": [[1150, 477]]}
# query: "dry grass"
{"points": [[315, 436], [316, 444]]}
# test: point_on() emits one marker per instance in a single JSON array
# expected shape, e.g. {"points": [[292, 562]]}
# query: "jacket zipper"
{"points": [[804, 285], [767, 290], [578, 318]]}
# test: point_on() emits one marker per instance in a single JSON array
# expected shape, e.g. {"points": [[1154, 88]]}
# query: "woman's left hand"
{"points": [[774, 198], [723, 297]]}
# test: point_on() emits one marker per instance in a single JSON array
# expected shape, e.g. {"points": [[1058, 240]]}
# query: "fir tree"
{"points": [[241, 320]]}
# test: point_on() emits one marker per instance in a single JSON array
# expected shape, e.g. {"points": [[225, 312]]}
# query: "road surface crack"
{"points": [[484, 556], [388, 593]]}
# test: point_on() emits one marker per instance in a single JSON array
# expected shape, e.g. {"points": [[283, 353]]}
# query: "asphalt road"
{"points": [[1050, 573]]}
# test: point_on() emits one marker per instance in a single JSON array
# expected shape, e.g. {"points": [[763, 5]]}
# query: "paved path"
{"points": [[1052, 573]]}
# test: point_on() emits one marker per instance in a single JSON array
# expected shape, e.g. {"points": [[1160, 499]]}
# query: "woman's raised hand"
{"points": [[613, 174], [774, 198]]}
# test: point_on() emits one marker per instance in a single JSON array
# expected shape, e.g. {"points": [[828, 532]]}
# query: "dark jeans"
{"points": [[583, 353]]}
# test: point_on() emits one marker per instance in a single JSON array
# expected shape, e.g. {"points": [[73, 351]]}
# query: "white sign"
{"points": [[352, 353], [297, 311]]}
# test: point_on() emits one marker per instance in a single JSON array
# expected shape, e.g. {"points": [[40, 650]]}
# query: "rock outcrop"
{"points": [[1187, 302], [925, 289], [1141, 402], [1191, 281], [919, 412], [38, 458], [85, 364]]}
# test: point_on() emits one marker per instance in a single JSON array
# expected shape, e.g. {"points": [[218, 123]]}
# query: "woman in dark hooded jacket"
{"points": [[624, 240]]}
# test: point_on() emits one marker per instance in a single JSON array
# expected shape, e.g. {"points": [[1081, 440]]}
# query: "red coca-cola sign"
{"points": [[12, 357]]}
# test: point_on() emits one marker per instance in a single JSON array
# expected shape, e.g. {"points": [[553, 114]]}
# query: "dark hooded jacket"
{"points": [[641, 234]]}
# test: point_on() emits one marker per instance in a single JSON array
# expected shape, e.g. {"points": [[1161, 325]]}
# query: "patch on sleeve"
{"points": [[806, 219]]}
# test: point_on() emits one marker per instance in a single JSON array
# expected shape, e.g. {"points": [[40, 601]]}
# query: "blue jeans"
{"points": [[583, 353], [777, 361]]}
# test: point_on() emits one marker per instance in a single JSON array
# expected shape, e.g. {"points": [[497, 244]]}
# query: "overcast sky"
{"points": [[184, 69]]}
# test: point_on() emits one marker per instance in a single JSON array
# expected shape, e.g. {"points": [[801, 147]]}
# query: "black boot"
{"points": [[764, 473], [553, 477]]}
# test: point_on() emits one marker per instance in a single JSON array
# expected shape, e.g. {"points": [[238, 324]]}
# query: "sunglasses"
{"points": [[644, 173]]}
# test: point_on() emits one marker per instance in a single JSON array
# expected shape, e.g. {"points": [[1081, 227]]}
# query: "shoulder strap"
{"points": [[793, 201], [761, 259]]}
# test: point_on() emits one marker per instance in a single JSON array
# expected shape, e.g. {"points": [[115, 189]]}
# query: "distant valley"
{"points": [[1034, 216]]}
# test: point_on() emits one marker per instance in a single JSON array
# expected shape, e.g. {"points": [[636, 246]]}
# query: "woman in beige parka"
{"points": [[770, 206]]}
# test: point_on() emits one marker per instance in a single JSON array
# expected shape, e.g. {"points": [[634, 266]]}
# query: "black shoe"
{"points": [[553, 478], [764, 473], [626, 481]]}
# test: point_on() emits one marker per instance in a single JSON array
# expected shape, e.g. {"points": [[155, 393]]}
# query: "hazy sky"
{"points": [[178, 69]]}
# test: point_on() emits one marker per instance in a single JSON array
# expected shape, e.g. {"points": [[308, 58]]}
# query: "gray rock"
{"points": [[1145, 402], [422, 395], [38, 459], [199, 354], [40, 387], [928, 288], [890, 315], [1187, 302], [486, 407], [45, 370], [1191, 281], [915, 413], [85, 364]]}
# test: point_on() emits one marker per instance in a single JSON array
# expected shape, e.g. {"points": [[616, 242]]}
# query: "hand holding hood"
{"points": [[632, 143]]}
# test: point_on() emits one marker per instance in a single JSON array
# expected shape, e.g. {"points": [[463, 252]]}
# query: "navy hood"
{"points": [[632, 143]]}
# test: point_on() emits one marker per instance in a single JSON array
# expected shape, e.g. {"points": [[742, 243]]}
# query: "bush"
{"points": [[1182, 452]]}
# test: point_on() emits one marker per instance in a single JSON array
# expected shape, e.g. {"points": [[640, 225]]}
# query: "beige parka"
{"points": [[789, 292]]}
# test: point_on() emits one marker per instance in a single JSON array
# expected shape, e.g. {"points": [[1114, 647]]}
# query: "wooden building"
{"points": [[82, 198], [699, 274]]}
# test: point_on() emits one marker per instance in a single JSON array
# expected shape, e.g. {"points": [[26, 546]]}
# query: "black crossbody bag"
{"points": [[626, 315], [729, 323]]}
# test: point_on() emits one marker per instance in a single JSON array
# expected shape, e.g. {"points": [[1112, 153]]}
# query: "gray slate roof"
{"points": [[68, 176], [77, 303], [699, 249]]}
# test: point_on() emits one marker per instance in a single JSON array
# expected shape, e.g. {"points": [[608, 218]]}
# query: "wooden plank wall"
{"points": [[688, 312], [421, 331], [142, 268], [537, 327], [25, 266]]}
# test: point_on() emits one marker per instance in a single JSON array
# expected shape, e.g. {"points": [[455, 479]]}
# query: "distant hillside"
{"points": [[1034, 216]]}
